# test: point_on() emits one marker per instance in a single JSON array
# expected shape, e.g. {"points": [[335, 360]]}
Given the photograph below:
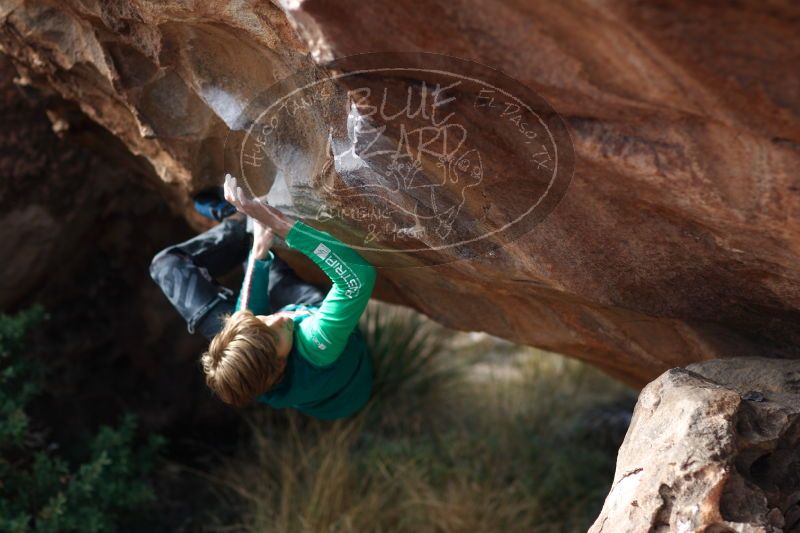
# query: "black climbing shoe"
{"points": [[212, 204]]}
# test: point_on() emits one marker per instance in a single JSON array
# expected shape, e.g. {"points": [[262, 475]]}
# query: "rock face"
{"points": [[677, 239], [713, 447], [72, 239]]}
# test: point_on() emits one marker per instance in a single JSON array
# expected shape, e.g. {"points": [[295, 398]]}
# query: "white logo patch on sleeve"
{"points": [[341, 268], [322, 251]]}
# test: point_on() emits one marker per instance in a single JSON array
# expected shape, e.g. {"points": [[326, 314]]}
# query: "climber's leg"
{"points": [[220, 249], [286, 288], [186, 271]]}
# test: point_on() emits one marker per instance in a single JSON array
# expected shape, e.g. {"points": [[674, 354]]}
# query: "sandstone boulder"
{"points": [[715, 448], [80, 222], [678, 238]]}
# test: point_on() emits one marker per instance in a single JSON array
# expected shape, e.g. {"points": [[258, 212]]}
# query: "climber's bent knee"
{"points": [[191, 290], [163, 262]]}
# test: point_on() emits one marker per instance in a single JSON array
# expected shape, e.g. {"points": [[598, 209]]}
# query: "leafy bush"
{"points": [[43, 492]]}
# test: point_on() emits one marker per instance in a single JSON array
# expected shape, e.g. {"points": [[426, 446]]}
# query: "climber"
{"points": [[283, 342]]}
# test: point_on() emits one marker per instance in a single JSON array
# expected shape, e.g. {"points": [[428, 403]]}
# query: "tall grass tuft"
{"points": [[412, 363], [449, 442]]}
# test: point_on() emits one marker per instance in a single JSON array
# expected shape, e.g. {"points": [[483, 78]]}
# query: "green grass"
{"points": [[462, 434]]}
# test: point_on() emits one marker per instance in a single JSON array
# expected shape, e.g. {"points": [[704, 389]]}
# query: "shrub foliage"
{"points": [[39, 489]]}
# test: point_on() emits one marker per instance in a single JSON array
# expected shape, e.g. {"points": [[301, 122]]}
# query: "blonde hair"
{"points": [[242, 361]]}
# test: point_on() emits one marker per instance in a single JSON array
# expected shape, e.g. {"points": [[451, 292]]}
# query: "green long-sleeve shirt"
{"points": [[328, 373]]}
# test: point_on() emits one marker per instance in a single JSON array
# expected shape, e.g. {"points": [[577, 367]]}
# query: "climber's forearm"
{"points": [[323, 337], [275, 219], [255, 287]]}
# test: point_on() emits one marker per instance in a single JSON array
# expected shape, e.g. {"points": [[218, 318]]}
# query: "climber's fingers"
{"points": [[235, 195], [255, 208], [249, 206], [229, 188]]}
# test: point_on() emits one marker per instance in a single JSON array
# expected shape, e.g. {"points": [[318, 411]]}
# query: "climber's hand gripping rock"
{"points": [[256, 208]]}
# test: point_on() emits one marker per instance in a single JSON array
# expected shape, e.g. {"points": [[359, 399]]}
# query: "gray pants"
{"points": [[187, 273]]}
